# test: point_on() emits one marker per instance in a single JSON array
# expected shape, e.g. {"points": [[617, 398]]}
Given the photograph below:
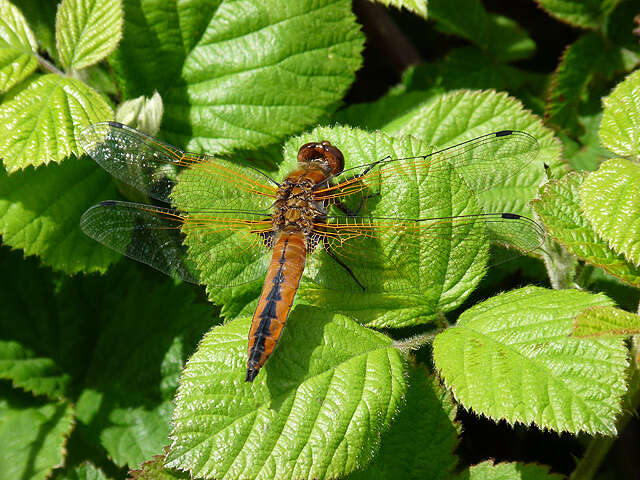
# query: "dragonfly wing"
{"points": [[482, 163], [153, 167], [155, 236]]}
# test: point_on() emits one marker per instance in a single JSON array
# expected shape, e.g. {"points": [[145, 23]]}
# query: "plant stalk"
{"points": [[47, 65]]}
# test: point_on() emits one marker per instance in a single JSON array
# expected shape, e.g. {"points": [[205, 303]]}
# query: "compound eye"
{"points": [[334, 158], [322, 151], [309, 151]]}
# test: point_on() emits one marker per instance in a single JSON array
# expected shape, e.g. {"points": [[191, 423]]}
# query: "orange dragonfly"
{"points": [[240, 225]]}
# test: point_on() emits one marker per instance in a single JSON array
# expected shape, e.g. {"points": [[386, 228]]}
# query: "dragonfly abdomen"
{"points": [[280, 287]]}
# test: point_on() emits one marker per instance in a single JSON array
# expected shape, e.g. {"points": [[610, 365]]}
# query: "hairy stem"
{"points": [[47, 65]]}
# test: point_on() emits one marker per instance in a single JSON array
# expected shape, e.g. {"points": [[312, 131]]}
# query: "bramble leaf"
{"points": [[219, 100], [154, 470], [87, 31], [33, 435], [40, 214], [86, 471], [580, 13], [620, 126], [605, 322], [418, 7], [499, 36], [507, 471], [610, 199], [559, 209], [421, 441], [38, 125], [512, 357], [18, 47], [316, 410]]}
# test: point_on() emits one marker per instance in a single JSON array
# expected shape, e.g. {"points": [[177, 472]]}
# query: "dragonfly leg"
{"points": [[354, 213], [327, 249]]}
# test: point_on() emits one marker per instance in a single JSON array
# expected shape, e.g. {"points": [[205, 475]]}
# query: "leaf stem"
{"points": [[47, 65], [598, 448], [583, 278], [414, 343]]}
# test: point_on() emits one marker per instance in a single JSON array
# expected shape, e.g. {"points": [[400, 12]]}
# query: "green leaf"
{"points": [[87, 31], [605, 322], [37, 126], [590, 58], [18, 47], [580, 13], [142, 113], [507, 471], [40, 214], [150, 327], [499, 36], [222, 67], [559, 209], [461, 115], [317, 409], [421, 441], [610, 199], [400, 290], [86, 471], [418, 7], [154, 470], [512, 357], [620, 127], [41, 16], [33, 435]]}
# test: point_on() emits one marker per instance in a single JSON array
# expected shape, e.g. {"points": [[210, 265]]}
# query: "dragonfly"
{"points": [[248, 226]]}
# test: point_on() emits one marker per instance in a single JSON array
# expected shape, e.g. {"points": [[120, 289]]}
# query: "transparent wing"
{"points": [[482, 163], [229, 248], [152, 167], [397, 255]]}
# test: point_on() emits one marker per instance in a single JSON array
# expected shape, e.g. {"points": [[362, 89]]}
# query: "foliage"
{"points": [[109, 369]]}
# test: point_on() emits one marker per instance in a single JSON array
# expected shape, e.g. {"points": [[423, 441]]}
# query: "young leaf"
{"points": [[461, 115], [418, 7], [580, 13], [40, 213], [620, 127], [33, 435], [559, 209], [507, 471], [316, 410], [499, 36], [421, 441], [512, 357], [18, 47], [154, 470], [605, 322], [38, 125], [610, 199], [223, 72], [87, 31]]}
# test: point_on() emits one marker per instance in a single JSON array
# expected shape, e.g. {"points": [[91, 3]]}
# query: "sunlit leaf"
{"points": [[416, 6], [154, 469], [610, 199], [17, 47], [86, 471], [316, 410], [507, 471], [605, 322], [559, 209], [620, 127], [38, 125], [239, 75], [512, 357], [581, 13]]}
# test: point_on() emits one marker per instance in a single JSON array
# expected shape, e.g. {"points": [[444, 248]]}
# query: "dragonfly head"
{"points": [[324, 153]]}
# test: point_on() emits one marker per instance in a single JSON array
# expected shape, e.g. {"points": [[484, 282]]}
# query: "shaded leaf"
{"points": [[40, 214], [512, 357], [17, 47], [87, 31], [33, 435], [154, 470], [86, 471], [605, 322], [41, 16], [416, 6], [580, 13], [508, 471], [559, 209], [217, 99], [620, 127], [38, 125], [316, 410], [610, 199]]}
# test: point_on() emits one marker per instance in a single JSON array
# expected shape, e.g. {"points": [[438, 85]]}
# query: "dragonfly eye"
{"points": [[322, 151]]}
